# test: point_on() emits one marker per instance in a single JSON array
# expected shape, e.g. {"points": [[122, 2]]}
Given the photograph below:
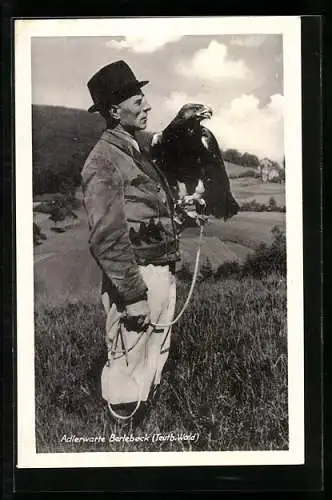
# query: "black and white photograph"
{"points": [[159, 242]]}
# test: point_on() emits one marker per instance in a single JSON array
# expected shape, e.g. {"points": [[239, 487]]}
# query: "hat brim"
{"points": [[95, 107]]}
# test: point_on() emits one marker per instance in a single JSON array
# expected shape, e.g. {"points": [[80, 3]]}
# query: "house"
{"points": [[264, 168], [268, 170]]}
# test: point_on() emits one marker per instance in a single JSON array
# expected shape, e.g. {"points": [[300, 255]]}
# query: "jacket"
{"points": [[130, 214]]}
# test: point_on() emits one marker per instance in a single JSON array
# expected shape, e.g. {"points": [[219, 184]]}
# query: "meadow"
{"points": [[226, 377]]}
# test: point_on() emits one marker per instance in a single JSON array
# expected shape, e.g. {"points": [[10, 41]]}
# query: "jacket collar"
{"points": [[122, 139]]}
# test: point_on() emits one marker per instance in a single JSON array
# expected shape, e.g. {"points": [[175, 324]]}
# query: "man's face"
{"points": [[133, 112]]}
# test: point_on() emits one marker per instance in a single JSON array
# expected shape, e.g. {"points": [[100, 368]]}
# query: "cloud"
{"points": [[250, 128], [144, 44], [213, 63], [177, 99], [243, 125], [249, 41]]}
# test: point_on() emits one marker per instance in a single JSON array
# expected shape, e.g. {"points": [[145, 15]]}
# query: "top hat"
{"points": [[113, 84]]}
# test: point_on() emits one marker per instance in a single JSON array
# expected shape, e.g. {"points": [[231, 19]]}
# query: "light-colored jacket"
{"points": [[130, 214]]}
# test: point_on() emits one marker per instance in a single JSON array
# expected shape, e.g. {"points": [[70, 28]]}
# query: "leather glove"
{"points": [[137, 316], [188, 213]]}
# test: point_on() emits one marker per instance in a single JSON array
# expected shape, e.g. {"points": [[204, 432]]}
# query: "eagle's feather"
{"points": [[189, 156]]}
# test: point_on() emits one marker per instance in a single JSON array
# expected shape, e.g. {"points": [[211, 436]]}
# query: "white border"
{"points": [[290, 28]]}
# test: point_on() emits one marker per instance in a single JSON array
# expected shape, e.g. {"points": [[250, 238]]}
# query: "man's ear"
{"points": [[114, 111]]}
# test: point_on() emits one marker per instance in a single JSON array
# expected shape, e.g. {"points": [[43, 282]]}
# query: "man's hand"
{"points": [[156, 138], [138, 316], [190, 212]]}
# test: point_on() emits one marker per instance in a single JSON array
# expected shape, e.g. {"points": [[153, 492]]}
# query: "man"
{"points": [[134, 240]]}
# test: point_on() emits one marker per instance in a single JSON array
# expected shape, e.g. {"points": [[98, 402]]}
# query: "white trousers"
{"points": [[136, 360]]}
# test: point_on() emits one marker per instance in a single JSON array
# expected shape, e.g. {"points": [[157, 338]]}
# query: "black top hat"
{"points": [[113, 84]]}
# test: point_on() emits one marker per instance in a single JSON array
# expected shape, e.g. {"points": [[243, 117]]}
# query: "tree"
{"points": [[250, 160], [57, 214], [233, 156]]}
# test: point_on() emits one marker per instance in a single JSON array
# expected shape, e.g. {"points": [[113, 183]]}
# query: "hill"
{"points": [[62, 139]]}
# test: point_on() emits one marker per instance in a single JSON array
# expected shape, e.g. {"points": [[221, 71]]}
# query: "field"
{"points": [[64, 266], [225, 381], [65, 270], [226, 377], [248, 189]]}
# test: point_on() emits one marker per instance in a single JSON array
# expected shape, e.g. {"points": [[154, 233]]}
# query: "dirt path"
{"points": [[45, 256], [63, 265]]}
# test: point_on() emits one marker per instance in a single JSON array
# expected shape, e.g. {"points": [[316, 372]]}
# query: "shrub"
{"points": [[184, 273], [59, 206], [206, 271], [247, 173], [254, 206], [38, 235], [265, 260], [272, 204], [57, 214], [228, 269], [268, 258]]}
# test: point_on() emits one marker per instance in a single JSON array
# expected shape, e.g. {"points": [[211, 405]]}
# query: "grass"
{"points": [[226, 377], [236, 171], [247, 189]]}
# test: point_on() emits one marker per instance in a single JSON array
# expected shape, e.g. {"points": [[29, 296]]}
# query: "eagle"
{"points": [[189, 156]]}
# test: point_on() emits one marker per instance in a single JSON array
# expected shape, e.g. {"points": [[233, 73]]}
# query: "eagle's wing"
{"points": [[218, 196]]}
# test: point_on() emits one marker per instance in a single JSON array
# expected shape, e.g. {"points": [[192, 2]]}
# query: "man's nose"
{"points": [[146, 105]]}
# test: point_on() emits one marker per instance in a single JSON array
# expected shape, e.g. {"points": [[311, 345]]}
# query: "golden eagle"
{"points": [[189, 156]]}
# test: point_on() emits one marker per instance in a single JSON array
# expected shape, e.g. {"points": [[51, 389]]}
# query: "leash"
{"points": [[201, 222], [193, 282]]}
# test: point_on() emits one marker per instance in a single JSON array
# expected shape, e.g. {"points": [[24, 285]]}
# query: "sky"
{"points": [[239, 76]]}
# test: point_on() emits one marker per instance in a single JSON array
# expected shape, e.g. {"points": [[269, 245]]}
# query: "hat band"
{"points": [[116, 97]]}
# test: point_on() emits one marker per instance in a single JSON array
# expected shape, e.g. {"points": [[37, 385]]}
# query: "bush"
{"points": [[247, 173], [184, 273], [272, 203], [265, 260], [206, 271], [59, 203], [268, 258], [57, 214], [254, 206], [38, 235], [228, 269]]}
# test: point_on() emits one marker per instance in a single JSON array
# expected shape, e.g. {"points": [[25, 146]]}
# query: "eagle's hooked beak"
{"points": [[205, 113]]}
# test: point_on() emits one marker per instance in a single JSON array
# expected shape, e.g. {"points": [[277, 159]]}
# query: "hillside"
{"points": [[62, 139]]}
